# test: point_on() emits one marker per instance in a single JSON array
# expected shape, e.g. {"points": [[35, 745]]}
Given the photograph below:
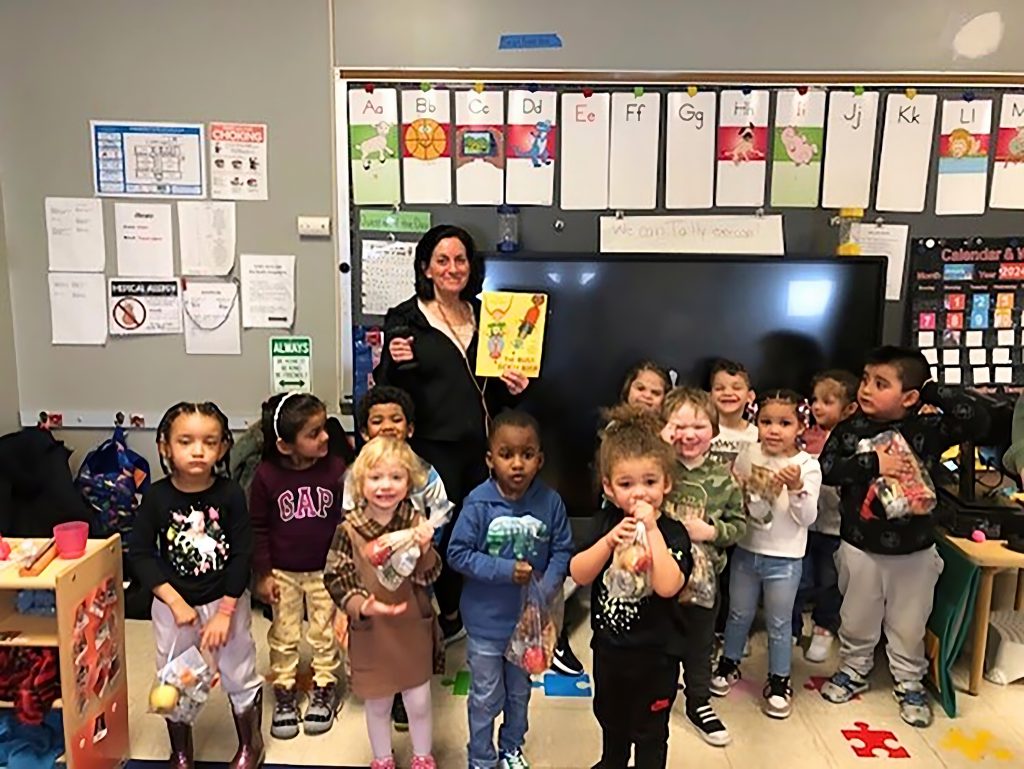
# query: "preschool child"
{"points": [[295, 506], [191, 546], [634, 675], [732, 394], [835, 399], [888, 567], [389, 411], [707, 501], [391, 632], [780, 486], [645, 386], [513, 527]]}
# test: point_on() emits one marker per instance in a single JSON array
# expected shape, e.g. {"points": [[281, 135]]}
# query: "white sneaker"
{"points": [[821, 645]]}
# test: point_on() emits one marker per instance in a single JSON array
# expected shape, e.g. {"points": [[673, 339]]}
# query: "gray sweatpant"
{"points": [[890, 592], [236, 660]]}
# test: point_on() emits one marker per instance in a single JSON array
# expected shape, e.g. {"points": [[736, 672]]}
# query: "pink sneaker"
{"points": [[423, 762], [383, 763]]}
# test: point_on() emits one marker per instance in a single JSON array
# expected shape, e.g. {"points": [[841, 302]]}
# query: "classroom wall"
{"points": [[8, 370], [63, 63], [675, 35]]}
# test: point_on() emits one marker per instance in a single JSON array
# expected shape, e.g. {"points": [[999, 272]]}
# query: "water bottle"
{"points": [[508, 228]]}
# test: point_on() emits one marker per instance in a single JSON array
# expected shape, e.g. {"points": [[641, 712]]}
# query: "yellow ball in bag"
{"points": [[163, 698]]}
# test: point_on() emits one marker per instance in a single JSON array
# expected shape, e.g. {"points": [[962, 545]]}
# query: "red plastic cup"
{"points": [[71, 538]]}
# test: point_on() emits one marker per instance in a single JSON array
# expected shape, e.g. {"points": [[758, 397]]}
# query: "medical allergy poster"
{"points": [[1008, 169], [238, 161], [426, 146], [963, 157], [138, 307], [906, 152], [148, 160], [479, 148], [742, 148], [849, 149], [797, 148], [633, 168], [531, 139], [690, 150], [586, 121], [511, 333], [373, 146]]}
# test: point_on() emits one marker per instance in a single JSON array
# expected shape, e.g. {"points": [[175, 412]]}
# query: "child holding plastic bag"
{"points": [[512, 543], [393, 630], [707, 501], [634, 675]]}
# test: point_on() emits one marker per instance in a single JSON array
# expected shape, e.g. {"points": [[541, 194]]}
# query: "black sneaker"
{"points": [[322, 710], [565, 662], [452, 629], [285, 722], [398, 715], [726, 674], [709, 726], [778, 697]]}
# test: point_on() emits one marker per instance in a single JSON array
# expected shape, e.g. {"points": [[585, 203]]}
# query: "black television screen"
{"points": [[784, 319]]}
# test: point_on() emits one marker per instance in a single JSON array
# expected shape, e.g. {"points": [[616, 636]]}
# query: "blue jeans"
{"points": [[819, 584], [497, 687], [780, 579]]}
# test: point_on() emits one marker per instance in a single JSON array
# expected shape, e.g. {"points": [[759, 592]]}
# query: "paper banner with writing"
{"points": [[511, 333], [373, 145], [479, 148], [906, 152], [742, 148], [531, 141], [963, 157], [797, 148], [690, 150], [584, 151], [636, 133], [426, 146], [849, 149], [1008, 171]]}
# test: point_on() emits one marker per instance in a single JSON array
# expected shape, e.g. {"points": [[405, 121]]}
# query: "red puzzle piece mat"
{"points": [[814, 684], [872, 740]]}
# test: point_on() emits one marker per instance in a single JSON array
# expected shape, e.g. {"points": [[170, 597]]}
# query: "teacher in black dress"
{"points": [[430, 352]]}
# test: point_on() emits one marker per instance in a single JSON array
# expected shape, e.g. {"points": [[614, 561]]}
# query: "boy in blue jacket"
{"points": [[511, 526]]}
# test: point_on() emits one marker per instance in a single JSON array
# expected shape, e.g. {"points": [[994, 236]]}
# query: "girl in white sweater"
{"points": [[780, 484]]}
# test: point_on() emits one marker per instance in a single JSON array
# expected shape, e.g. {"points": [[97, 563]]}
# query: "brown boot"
{"points": [[249, 726], [181, 746]]}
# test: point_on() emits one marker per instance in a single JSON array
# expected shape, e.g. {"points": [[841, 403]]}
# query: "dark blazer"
{"points": [[443, 389]]}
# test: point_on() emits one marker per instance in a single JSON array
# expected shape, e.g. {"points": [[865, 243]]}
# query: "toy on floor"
{"points": [[872, 740], [912, 494], [976, 748], [558, 685], [183, 687], [629, 576], [533, 641]]}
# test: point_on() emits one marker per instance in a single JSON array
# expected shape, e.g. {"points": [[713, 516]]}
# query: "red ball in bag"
{"points": [[534, 660], [377, 553]]}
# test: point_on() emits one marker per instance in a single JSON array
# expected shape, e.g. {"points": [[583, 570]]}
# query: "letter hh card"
{"points": [[742, 148]]}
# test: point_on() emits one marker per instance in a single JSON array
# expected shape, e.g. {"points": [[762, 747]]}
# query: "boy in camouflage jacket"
{"points": [[708, 502]]}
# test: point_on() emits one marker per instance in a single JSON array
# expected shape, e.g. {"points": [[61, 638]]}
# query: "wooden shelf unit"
{"points": [[95, 725]]}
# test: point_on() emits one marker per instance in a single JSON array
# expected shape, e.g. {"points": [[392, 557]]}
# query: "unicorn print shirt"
{"points": [[294, 514], [199, 542]]}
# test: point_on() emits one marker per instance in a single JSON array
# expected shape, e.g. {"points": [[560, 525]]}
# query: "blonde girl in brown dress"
{"points": [[391, 632]]}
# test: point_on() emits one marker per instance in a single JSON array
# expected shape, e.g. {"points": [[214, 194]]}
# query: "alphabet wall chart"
{"points": [[373, 143], [479, 147], [426, 146], [585, 141], [690, 149], [849, 149], [606, 147]]}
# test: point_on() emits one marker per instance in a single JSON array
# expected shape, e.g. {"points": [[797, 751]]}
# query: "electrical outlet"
{"points": [[315, 226]]}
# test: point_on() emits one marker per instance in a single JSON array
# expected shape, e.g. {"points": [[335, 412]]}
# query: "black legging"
{"points": [[462, 467]]}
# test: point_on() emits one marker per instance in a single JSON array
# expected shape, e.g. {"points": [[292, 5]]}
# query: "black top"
{"points": [[929, 435], [646, 623], [200, 542], [442, 385]]}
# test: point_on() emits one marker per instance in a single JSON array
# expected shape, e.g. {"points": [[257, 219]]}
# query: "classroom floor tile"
{"points": [[564, 735]]}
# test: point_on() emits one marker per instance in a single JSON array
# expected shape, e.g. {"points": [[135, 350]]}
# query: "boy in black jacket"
{"points": [[888, 567]]}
